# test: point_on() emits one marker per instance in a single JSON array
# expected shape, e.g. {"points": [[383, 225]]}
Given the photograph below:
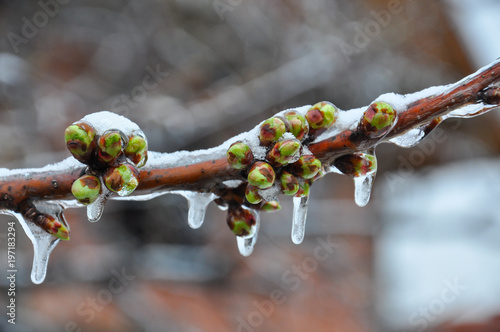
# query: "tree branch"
{"points": [[211, 169]]}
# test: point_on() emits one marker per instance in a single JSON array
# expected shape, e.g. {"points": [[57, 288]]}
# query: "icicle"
{"points": [[95, 210], [363, 189], [246, 245], [197, 206], [299, 218], [43, 242]]}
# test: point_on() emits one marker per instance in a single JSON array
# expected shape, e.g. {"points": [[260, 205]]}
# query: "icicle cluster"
{"points": [[113, 157]]}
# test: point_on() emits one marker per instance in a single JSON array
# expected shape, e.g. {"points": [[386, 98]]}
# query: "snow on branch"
{"points": [[283, 155]]}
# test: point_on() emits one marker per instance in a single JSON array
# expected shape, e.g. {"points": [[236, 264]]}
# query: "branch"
{"points": [[239, 174]]}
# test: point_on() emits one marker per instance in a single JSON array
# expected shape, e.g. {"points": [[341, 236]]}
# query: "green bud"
{"points": [[252, 194], [321, 115], [271, 206], [137, 150], [304, 188], [289, 184], [261, 175], [110, 147], [80, 141], [377, 120], [356, 164], [241, 222], [271, 130], [52, 226], [239, 155], [283, 152], [86, 189], [122, 179], [306, 167], [298, 124]]}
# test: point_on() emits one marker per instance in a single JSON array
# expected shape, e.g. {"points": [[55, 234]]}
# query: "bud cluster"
{"points": [[113, 159]]}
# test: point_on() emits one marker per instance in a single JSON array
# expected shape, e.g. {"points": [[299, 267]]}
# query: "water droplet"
{"points": [[197, 206], [363, 189], [246, 245], [299, 218]]}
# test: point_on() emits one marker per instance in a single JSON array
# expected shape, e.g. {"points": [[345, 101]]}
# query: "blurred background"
{"points": [[423, 255]]}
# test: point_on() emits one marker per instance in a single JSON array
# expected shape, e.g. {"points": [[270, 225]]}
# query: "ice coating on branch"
{"points": [[409, 139], [363, 189], [95, 210], [299, 218], [43, 242], [467, 111], [197, 206], [246, 245]]}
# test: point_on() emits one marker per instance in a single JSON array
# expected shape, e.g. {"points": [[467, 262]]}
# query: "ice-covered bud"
{"points": [[304, 188], [271, 130], [377, 120], [356, 164], [52, 226], [321, 115], [298, 124], [289, 184], [239, 155], [241, 222], [283, 152], [261, 175], [306, 167], [122, 179], [252, 194], [271, 206], [110, 147], [86, 189], [80, 141], [137, 150], [318, 176]]}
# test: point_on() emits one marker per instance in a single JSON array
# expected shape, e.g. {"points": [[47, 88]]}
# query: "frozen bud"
{"points": [[241, 222], [239, 155], [86, 189], [318, 176], [80, 141], [271, 130], [122, 179], [48, 223], [284, 152], [356, 164], [137, 150], [261, 175], [306, 167], [252, 194], [110, 147], [304, 188], [271, 206], [321, 115], [298, 124], [377, 120], [289, 184]]}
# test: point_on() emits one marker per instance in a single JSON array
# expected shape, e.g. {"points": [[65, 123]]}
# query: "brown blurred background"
{"points": [[221, 67]]}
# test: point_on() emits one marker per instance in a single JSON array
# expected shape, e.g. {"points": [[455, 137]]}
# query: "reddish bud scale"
{"points": [[239, 155], [110, 147], [81, 141], [241, 221], [306, 167], [321, 116], [298, 124], [261, 175], [271, 130], [252, 194], [289, 184], [46, 222], [377, 120], [122, 179], [356, 164], [283, 152], [304, 188]]}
